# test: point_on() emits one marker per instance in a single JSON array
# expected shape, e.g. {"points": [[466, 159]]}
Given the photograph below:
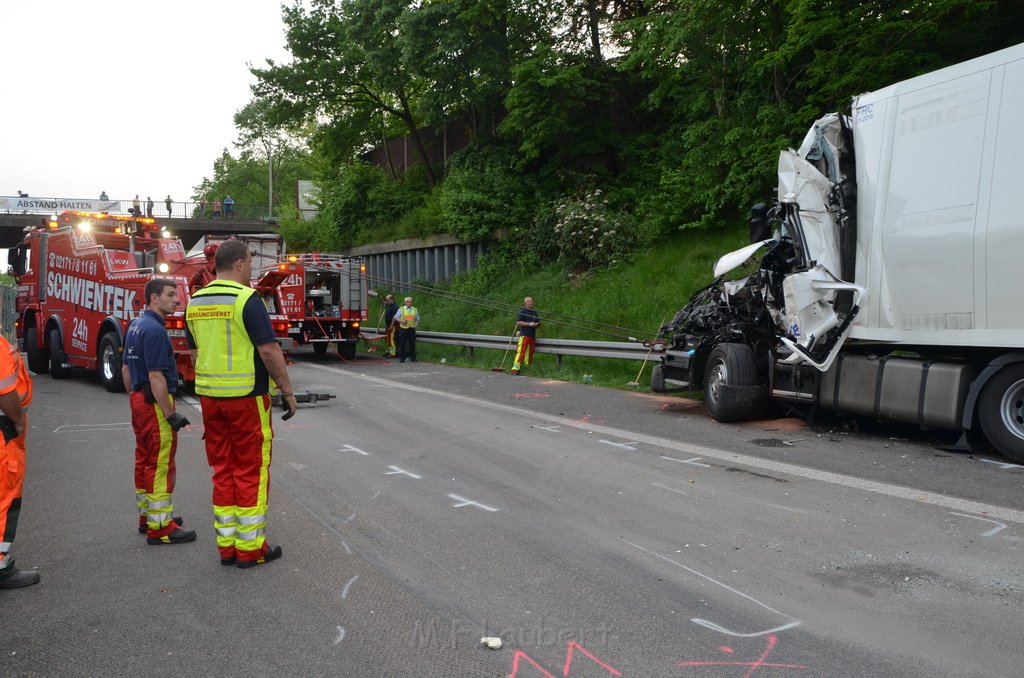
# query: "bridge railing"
{"points": [[178, 209]]}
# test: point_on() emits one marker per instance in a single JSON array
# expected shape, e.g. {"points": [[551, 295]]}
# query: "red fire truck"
{"points": [[81, 278], [324, 296]]}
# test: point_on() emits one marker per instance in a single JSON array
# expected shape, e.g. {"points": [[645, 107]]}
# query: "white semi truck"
{"points": [[886, 279]]}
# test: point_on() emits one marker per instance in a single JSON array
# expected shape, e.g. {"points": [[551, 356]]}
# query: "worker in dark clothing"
{"points": [[527, 323], [390, 309], [151, 376]]}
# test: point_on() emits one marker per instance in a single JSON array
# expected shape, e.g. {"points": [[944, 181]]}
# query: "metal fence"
{"points": [[178, 209]]}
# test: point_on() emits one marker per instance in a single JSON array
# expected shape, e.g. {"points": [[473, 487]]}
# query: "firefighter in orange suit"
{"points": [[15, 397], [237, 354], [150, 375]]}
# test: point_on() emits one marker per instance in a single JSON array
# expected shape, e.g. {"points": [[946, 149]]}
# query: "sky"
{"points": [[128, 97]]}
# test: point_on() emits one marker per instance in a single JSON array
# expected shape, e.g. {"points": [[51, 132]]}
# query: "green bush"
{"points": [[591, 234]]}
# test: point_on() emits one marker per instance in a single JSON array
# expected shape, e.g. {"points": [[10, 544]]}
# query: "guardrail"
{"points": [[203, 209], [616, 350]]}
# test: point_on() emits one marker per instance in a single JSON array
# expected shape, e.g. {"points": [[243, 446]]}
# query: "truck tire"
{"points": [[38, 360], [731, 389], [57, 370], [1001, 411], [110, 362], [319, 347], [657, 380], [347, 349]]}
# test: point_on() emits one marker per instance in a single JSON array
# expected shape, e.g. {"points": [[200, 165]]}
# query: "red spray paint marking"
{"points": [[570, 648], [532, 395], [585, 419], [754, 665]]}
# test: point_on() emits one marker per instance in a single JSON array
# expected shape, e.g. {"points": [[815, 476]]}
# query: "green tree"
{"points": [[347, 67]]}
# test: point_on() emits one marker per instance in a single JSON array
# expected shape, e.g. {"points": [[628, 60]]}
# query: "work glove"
{"points": [[290, 405], [177, 421]]}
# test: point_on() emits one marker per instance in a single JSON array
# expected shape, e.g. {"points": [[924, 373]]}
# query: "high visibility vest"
{"points": [[408, 317], [225, 366], [13, 375]]}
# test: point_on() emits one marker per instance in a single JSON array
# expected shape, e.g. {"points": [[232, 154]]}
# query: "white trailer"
{"points": [[889, 281]]}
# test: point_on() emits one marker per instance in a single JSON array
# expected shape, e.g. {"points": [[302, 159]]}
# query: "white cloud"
{"points": [[125, 96]]}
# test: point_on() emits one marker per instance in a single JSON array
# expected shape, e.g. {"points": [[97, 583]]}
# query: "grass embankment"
{"points": [[641, 295]]}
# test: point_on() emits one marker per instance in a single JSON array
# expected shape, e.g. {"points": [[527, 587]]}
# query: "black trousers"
{"points": [[407, 343]]}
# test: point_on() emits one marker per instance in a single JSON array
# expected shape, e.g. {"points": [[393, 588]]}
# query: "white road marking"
{"points": [[349, 448], [1001, 464], [686, 461], [341, 635], [89, 428], [670, 489], [897, 491], [297, 467], [994, 530], [625, 446], [395, 471], [344, 591], [469, 502], [553, 429], [375, 495], [711, 625]]}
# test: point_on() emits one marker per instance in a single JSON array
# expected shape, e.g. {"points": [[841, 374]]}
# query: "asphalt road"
{"points": [[596, 532]]}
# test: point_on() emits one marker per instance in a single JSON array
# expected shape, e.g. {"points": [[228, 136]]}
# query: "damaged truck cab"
{"points": [[884, 280]]}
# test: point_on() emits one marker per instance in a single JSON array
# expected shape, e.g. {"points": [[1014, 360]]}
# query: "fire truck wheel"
{"points": [[57, 369], [38, 360], [347, 349], [110, 362], [319, 347]]}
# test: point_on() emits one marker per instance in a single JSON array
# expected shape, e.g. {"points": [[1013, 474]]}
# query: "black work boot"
{"points": [[13, 578], [179, 536], [272, 553]]}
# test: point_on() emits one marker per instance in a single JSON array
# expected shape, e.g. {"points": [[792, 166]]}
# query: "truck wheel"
{"points": [[38, 360], [657, 379], [57, 370], [731, 391], [319, 347], [347, 349], [110, 362], [1001, 411]]}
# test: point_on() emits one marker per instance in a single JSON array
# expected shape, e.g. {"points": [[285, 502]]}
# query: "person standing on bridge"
{"points": [[216, 209], [15, 397], [103, 195], [136, 210], [149, 207], [407, 318], [236, 356], [527, 323], [168, 202], [229, 207], [150, 375]]}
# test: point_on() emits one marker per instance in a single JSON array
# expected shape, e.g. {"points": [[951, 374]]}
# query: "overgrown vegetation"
{"points": [[672, 111], [596, 135]]}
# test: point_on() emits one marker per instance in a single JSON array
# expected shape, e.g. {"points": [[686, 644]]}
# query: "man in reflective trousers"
{"points": [[150, 375], [236, 356], [15, 397]]}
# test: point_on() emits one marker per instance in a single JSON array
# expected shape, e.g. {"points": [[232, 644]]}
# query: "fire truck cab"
{"points": [[81, 277]]}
